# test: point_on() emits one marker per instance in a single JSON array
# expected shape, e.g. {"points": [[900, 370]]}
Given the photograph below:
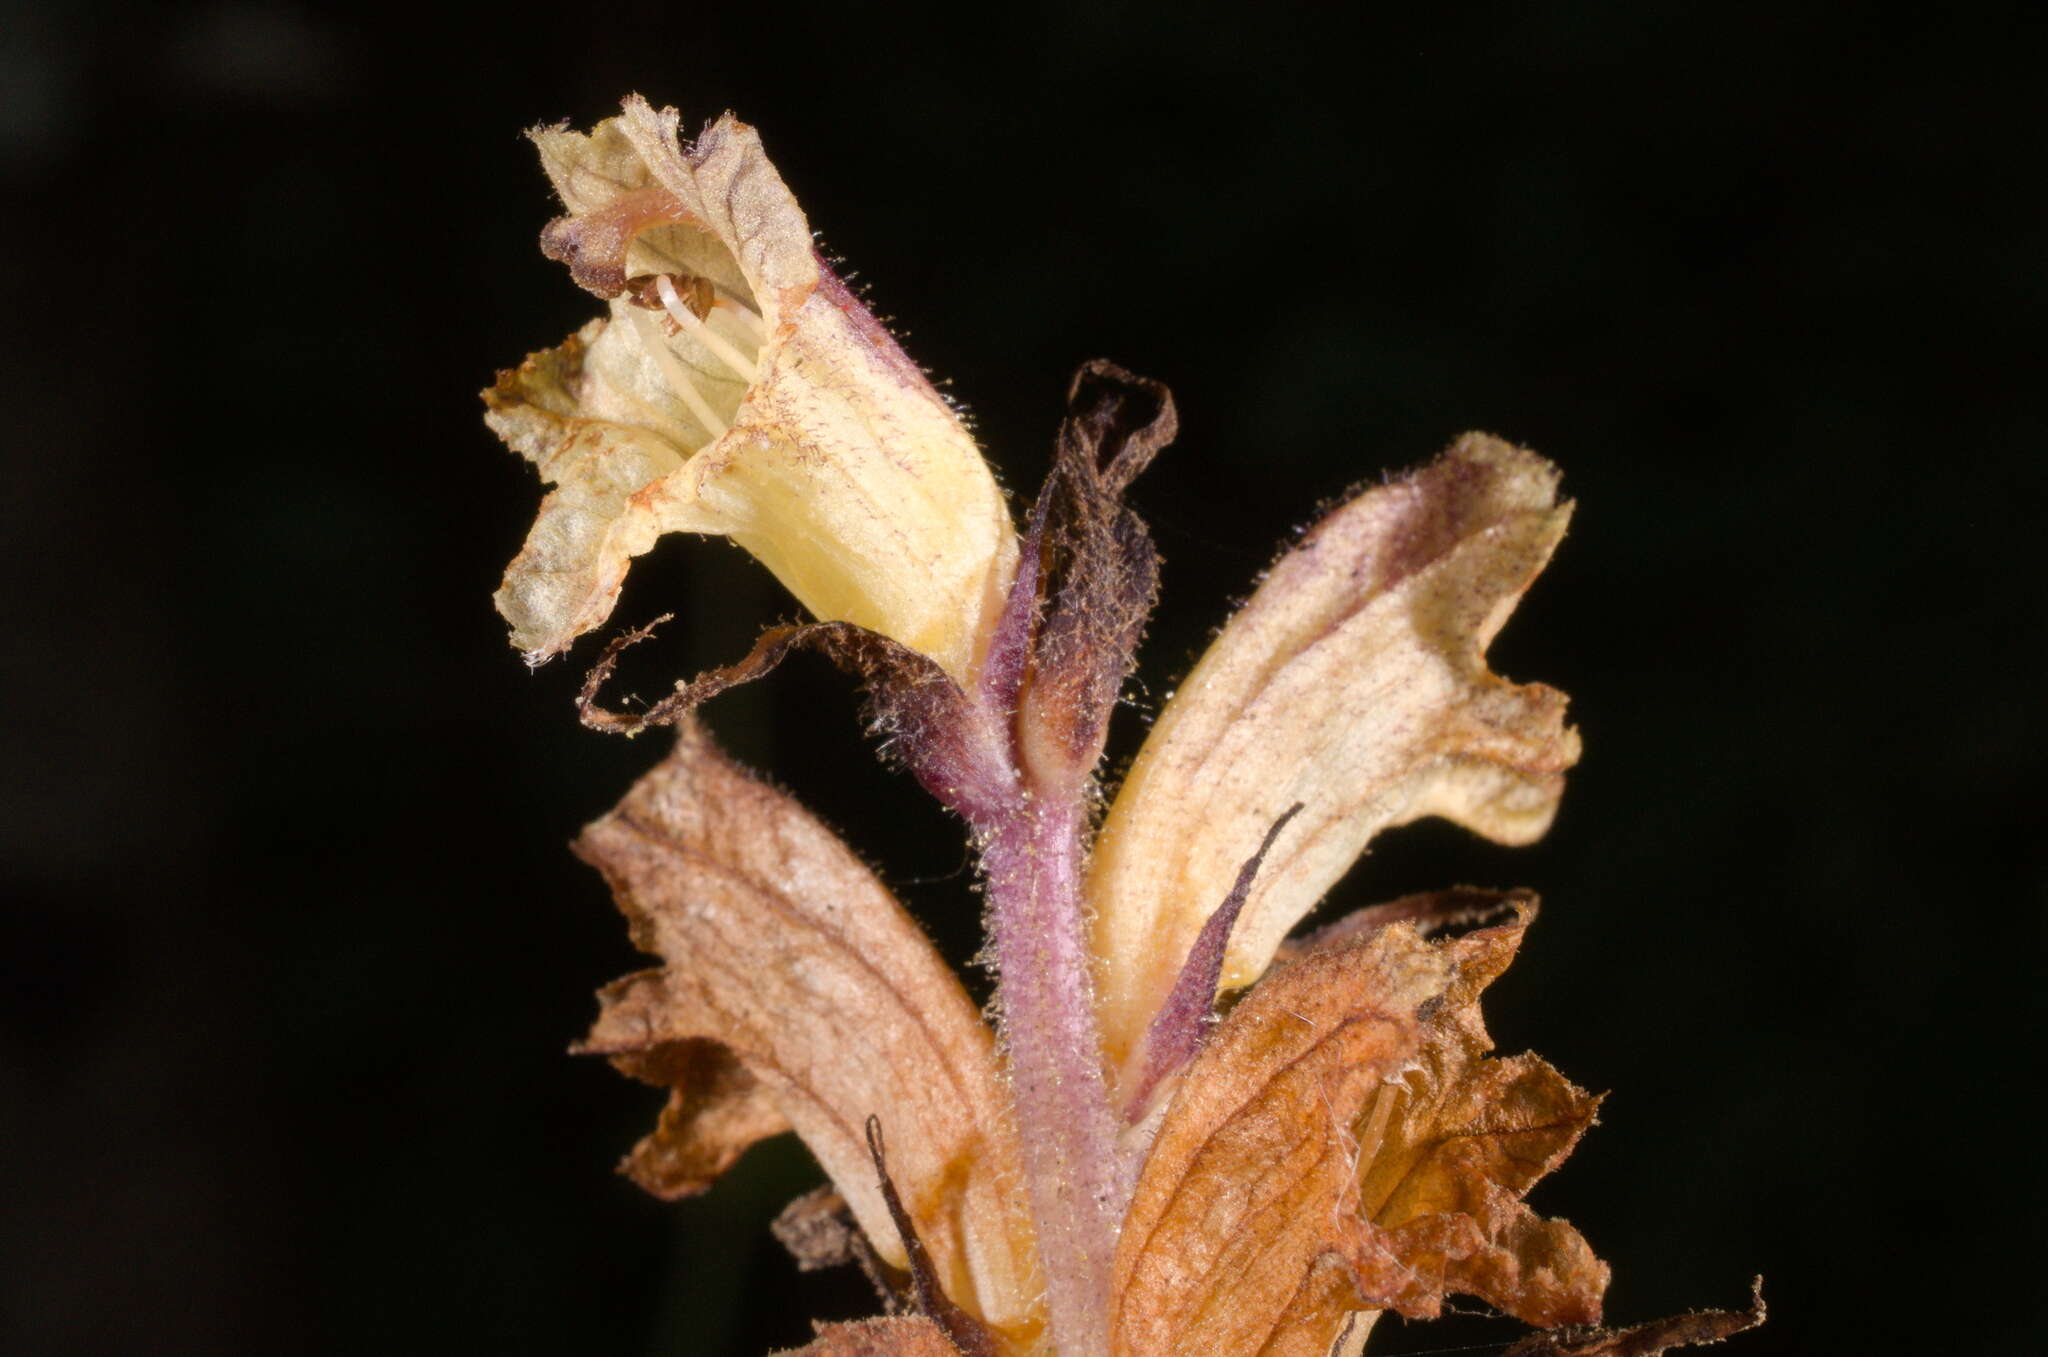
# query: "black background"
{"points": [[293, 945]]}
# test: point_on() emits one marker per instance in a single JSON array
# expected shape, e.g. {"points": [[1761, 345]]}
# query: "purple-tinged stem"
{"points": [[1046, 1004]]}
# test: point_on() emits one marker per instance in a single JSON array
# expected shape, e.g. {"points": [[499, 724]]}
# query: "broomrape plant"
{"points": [[1110, 1168]]}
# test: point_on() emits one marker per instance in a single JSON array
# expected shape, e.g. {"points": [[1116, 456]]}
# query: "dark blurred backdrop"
{"points": [[292, 942]]}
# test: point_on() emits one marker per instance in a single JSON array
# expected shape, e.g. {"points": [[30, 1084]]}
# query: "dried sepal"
{"points": [[962, 1329], [783, 949], [1355, 682], [783, 416], [897, 1336], [1092, 576]]}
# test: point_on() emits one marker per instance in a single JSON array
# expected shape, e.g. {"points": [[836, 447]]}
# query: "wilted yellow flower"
{"points": [[736, 387]]}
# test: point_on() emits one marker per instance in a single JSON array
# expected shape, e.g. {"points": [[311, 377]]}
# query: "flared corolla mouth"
{"points": [[683, 296], [705, 339], [733, 387]]}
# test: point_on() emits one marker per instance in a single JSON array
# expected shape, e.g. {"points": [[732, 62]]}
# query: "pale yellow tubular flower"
{"points": [[1354, 683], [736, 388]]}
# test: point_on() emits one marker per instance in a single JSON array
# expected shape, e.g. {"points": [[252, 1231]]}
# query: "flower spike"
{"points": [[1174, 1128]]}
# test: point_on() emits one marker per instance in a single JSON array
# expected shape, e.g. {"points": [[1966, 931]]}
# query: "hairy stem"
{"points": [[1045, 998]]}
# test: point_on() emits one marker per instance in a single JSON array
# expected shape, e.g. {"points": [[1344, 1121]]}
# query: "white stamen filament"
{"points": [[724, 323], [702, 333], [672, 368], [749, 319]]}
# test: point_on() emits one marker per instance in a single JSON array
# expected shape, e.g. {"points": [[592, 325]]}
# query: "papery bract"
{"points": [[797, 993], [1253, 1172], [1344, 1143]]}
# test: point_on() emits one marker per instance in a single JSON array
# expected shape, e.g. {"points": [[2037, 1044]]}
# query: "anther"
{"points": [[698, 294]]}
